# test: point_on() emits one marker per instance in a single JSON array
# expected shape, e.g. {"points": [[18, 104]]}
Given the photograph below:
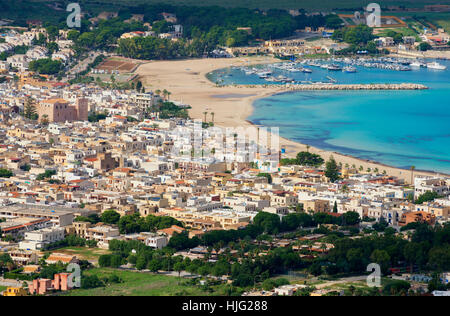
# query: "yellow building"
{"points": [[15, 291]]}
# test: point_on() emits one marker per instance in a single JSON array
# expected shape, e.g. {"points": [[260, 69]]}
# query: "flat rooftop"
{"points": [[41, 210]]}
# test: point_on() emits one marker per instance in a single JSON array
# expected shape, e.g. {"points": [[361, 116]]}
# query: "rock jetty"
{"points": [[324, 86]]}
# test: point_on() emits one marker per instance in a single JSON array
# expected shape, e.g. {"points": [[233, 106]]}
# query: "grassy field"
{"points": [[145, 284], [403, 30], [2, 288]]}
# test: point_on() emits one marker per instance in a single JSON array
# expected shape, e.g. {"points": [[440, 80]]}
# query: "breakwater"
{"points": [[326, 87]]}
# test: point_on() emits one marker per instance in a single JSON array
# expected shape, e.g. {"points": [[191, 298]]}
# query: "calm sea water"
{"points": [[398, 128]]}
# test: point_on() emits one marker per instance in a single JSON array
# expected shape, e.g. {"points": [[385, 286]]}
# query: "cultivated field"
{"points": [[121, 68], [118, 64]]}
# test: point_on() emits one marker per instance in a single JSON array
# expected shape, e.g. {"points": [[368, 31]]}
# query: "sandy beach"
{"points": [[232, 105]]}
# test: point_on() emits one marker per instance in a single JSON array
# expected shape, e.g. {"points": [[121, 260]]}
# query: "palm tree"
{"points": [[205, 113], [412, 174], [307, 148], [44, 120], [165, 92], [212, 116]]}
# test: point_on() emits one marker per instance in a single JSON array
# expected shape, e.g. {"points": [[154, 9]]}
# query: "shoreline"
{"points": [[187, 81]]}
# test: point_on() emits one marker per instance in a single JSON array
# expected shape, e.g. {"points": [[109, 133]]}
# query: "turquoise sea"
{"points": [[398, 128]]}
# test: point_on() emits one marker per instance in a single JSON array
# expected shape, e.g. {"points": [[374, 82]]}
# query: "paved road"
{"points": [[11, 283], [344, 280], [82, 65]]}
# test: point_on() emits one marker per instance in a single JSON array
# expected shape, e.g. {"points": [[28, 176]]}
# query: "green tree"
{"points": [[46, 66], [308, 159], [104, 261], [52, 32], [424, 46], [52, 47], [139, 86], [73, 35], [315, 269], [426, 197], [154, 265], [178, 267], [335, 207], [4, 259], [110, 217], [350, 218], [141, 262], [382, 258], [29, 110], [116, 261], [5, 173], [332, 170], [270, 223], [91, 282]]}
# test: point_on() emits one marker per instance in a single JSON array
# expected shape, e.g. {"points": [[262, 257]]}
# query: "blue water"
{"points": [[398, 128]]}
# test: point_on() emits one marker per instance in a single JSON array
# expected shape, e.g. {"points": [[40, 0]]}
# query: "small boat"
{"points": [[307, 70], [349, 69], [437, 66], [334, 67], [416, 64], [264, 74]]}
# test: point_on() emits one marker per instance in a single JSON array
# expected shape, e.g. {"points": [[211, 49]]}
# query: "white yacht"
{"points": [[436, 65]]}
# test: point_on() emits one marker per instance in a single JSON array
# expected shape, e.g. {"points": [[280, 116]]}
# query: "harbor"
{"points": [[321, 71]]}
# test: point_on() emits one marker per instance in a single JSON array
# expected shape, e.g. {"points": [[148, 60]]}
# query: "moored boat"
{"points": [[349, 69], [437, 66]]}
